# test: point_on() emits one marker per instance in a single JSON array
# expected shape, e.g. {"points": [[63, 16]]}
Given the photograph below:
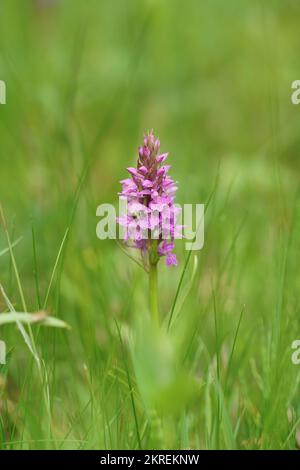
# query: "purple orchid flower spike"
{"points": [[150, 223], [150, 193]]}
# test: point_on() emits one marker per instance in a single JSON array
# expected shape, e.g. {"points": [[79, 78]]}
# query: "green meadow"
{"points": [[85, 366]]}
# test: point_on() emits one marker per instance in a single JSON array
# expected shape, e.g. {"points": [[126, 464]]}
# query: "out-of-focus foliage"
{"points": [[213, 78]]}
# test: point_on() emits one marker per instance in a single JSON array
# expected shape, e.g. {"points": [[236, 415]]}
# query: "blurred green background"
{"points": [[84, 81]]}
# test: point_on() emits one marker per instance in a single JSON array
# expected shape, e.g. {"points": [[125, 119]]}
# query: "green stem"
{"points": [[153, 292]]}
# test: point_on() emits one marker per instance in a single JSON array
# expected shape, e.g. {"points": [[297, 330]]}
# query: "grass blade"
{"points": [[29, 318], [186, 265], [131, 391], [55, 267]]}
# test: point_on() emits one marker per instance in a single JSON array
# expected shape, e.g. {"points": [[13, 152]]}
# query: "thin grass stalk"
{"points": [[42, 372]]}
